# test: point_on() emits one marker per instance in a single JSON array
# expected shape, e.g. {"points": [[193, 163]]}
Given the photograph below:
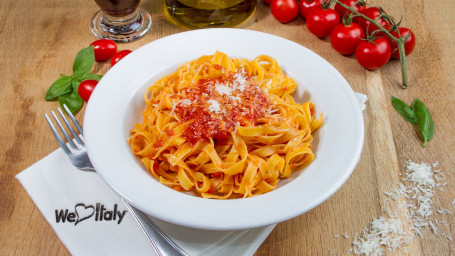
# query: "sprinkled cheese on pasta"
{"points": [[223, 128]]}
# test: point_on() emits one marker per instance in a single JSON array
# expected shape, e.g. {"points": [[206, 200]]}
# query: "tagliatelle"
{"points": [[224, 127]]}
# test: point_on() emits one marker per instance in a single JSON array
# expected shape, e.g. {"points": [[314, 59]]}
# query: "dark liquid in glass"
{"points": [[118, 7]]}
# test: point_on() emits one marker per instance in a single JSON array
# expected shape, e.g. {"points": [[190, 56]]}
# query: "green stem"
{"points": [[399, 41], [404, 73]]}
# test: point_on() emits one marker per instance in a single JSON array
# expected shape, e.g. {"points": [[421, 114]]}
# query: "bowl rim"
{"points": [[121, 85]]}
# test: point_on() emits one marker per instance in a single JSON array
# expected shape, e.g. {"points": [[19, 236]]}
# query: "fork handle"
{"points": [[161, 243]]}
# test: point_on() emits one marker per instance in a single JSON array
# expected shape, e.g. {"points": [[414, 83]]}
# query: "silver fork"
{"points": [[77, 154]]}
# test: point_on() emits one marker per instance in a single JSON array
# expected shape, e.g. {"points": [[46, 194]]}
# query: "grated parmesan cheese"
{"points": [[444, 211], [185, 102], [214, 106], [414, 194], [222, 89], [382, 232], [174, 105], [240, 80]]}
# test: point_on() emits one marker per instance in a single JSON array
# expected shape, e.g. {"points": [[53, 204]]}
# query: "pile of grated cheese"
{"points": [[383, 232], [414, 195]]}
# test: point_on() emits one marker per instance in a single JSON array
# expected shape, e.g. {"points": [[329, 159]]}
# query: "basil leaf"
{"points": [[75, 84], [413, 103], [424, 120], [87, 76], [60, 87], [66, 87], [84, 60], [78, 75], [404, 110], [72, 100], [417, 114]]}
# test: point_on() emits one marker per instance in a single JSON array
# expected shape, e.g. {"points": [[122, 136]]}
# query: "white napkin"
{"points": [[80, 208], [90, 219]]}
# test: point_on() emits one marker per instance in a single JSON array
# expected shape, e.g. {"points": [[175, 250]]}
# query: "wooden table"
{"points": [[39, 40]]}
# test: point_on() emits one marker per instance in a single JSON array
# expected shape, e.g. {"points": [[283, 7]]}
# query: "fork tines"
{"points": [[76, 141]]}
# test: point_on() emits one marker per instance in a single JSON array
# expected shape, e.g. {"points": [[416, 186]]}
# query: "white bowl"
{"points": [[117, 102]]}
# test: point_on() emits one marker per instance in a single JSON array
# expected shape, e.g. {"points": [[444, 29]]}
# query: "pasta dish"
{"points": [[222, 127]]}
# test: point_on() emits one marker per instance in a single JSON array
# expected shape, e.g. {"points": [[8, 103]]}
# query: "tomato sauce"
{"points": [[216, 106]]}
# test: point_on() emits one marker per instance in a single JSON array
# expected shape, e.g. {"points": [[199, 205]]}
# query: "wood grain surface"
{"points": [[39, 40]]}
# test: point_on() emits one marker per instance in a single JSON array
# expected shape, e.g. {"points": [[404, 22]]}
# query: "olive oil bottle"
{"points": [[195, 14]]}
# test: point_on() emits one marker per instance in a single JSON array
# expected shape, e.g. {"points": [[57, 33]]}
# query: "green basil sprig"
{"points": [[65, 88], [416, 114]]}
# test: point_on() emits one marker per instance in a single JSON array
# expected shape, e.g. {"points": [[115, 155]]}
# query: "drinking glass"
{"points": [[194, 14], [120, 20]]}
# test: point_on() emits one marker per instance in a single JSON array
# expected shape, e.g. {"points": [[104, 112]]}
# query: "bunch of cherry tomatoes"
{"points": [[104, 49], [349, 34]]}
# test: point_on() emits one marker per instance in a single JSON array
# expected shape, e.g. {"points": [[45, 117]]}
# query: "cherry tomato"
{"points": [[284, 10], [344, 38], [118, 56], [306, 6], [104, 49], [372, 13], [320, 22], [373, 54], [360, 7], [409, 44], [86, 88]]}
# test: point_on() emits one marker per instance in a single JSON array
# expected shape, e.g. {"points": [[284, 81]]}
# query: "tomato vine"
{"points": [[400, 41]]}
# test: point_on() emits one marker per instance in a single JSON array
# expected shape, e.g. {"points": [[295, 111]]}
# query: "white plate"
{"points": [[117, 102]]}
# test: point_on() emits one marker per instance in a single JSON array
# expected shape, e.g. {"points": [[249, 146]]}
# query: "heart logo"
{"points": [[83, 212]]}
